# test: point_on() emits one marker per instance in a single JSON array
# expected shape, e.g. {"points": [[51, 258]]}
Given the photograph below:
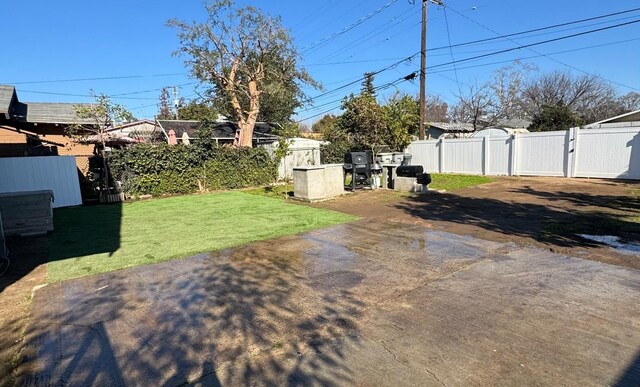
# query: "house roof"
{"points": [[514, 123], [130, 124], [452, 126], [7, 94], [221, 130], [626, 117], [54, 113]]}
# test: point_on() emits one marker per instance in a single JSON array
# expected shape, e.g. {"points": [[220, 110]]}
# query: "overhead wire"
{"points": [[528, 46], [346, 29], [478, 56]]}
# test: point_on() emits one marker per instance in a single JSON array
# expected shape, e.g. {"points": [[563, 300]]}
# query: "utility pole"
{"points": [[423, 70], [423, 67]]}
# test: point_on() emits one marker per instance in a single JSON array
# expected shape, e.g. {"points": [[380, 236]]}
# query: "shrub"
{"points": [[334, 152], [180, 169]]}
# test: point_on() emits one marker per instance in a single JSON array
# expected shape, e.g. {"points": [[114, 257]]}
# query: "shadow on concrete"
{"points": [[631, 376], [590, 214], [225, 318], [78, 231]]}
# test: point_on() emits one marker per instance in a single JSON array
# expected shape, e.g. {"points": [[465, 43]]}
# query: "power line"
{"points": [[569, 36], [394, 21], [527, 31], [97, 78], [377, 88], [477, 56], [539, 43], [363, 19], [455, 70], [537, 56]]}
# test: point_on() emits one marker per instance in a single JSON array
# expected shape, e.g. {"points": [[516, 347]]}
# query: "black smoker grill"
{"points": [[359, 165], [414, 171]]}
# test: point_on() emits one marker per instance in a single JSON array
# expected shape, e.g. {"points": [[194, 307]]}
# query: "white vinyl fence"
{"points": [[57, 173], [604, 153]]}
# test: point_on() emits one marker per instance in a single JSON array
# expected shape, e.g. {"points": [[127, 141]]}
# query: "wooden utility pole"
{"points": [[423, 67], [423, 70]]}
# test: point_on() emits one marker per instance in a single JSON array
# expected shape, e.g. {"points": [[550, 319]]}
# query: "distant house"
{"points": [[436, 130], [223, 132], [627, 120], [39, 128], [140, 131], [512, 123]]}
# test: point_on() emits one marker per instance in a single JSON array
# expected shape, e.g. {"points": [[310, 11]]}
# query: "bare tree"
{"points": [[508, 85], [629, 102], [588, 95], [436, 109], [243, 54], [473, 104], [93, 122]]}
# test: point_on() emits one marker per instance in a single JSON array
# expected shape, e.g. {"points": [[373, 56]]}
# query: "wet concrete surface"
{"points": [[356, 304]]}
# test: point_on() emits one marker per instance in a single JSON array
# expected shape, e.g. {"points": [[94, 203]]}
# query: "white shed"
{"points": [[302, 152]]}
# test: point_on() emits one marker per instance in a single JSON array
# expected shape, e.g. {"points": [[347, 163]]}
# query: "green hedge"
{"points": [[179, 169], [334, 152]]}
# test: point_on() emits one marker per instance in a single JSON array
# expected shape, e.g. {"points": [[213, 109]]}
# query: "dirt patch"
{"points": [[26, 272], [543, 212]]}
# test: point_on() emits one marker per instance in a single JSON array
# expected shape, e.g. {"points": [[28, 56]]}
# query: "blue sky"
{"points": [[50, 46]]}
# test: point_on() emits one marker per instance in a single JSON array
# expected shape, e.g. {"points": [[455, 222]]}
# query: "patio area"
{"points": [[362, 303]]}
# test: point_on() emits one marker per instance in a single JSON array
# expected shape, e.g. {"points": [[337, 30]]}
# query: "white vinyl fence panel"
{"points": [[57, 173], [463, 156], [608, 153], [499, 155], [425, 153], [603, 153], [542, 154]]}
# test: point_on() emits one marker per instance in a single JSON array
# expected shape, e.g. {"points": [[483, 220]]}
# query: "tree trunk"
{"points": [[248, 124], [105, 168]]}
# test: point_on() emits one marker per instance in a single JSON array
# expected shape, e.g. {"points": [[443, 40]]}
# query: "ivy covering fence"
{"points": [[163, 169]]}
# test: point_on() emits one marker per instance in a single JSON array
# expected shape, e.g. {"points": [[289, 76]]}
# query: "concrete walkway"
{"points": [[355, 304]]}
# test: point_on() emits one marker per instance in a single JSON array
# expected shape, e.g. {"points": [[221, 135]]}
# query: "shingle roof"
{"points": [[54, 113], [452, 126], [221, 130], [6, 96], [514, 123]]}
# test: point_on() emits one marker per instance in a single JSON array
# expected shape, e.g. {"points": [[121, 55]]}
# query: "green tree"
{"points": [[555, 117], [198, 110], [164, 107], [364, 120], [402, 116], [367, 84], [94, 120], [328, 121], [248, 58]]}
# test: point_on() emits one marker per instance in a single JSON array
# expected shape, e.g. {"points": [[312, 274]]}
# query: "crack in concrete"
{"points": [[395, 358], [435, 377]]}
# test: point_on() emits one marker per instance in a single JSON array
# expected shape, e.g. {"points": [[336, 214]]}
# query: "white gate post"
{"points": [[441, 156], [486, 159], [513, 155], [572, 152]]}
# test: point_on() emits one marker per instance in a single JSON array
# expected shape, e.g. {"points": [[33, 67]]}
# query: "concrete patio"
{"points": [[357, 304]]}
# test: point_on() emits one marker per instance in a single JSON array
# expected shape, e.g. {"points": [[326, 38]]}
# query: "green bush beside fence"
{"points": [[179, 169]]}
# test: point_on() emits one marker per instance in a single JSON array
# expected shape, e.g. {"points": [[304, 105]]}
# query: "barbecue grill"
{"points": [[359, 166]]}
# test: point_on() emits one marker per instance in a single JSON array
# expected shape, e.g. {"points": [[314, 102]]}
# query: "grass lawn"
{"points": [[452, 182], [277, 191], [95, 239]]}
